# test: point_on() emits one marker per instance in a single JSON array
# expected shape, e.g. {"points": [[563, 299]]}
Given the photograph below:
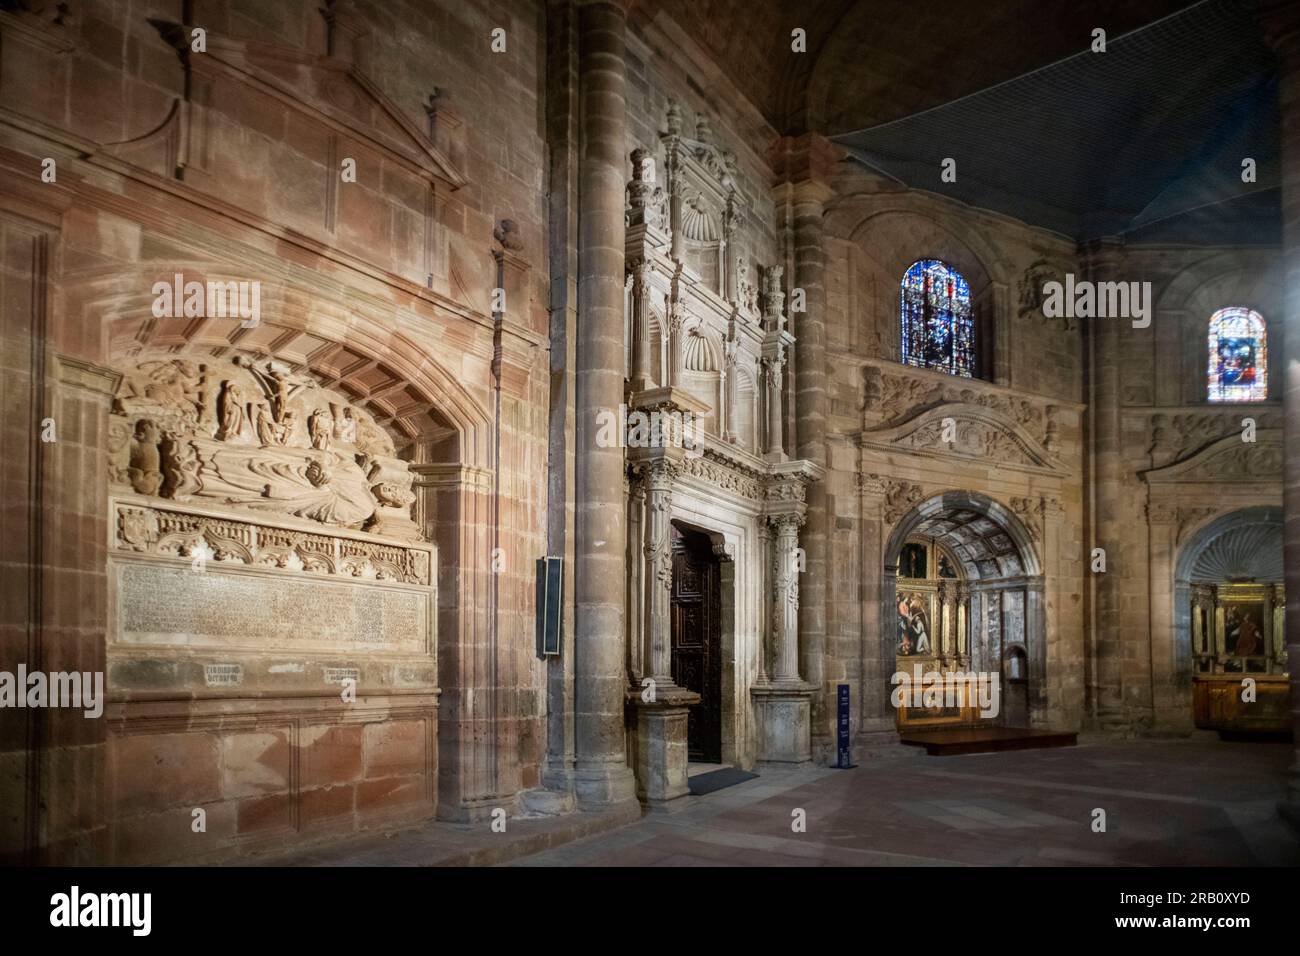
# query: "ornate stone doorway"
{"points": [[697, 638]]}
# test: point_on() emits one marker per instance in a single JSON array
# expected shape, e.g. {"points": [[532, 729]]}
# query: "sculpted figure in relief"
{"points": [[256, 435]]}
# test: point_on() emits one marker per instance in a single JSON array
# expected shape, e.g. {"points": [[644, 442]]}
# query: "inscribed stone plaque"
{"points": [[217, 607], [223, 675]]}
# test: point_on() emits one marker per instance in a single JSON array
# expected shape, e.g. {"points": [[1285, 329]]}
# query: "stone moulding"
{"points": [[146, 527], [1229, 459], [208, 604], [771, 486], [979, 434]]}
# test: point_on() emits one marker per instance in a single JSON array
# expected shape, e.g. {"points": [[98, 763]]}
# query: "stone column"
{"points": [[731, 349], [776, 342], [641, 361], [657, 661], [802, 165], [1281, 22], [662, 707], [601, 773], [640, 193]]}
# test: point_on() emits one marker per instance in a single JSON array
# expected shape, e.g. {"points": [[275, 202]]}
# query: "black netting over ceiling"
{"points": [[1146, 139]]}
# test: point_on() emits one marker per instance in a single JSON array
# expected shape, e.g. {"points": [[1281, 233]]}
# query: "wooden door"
{"points": [[697, 639]]}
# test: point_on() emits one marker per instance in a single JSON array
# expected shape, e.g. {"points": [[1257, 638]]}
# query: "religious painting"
{"points": [[915, 637], [1243, 629], [912, 561], [1238, 348]]}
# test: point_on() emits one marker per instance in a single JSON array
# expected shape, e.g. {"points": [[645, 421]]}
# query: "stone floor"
{"points": [[1174, 803]]}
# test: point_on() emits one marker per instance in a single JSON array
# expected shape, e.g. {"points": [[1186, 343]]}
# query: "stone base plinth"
{"points": [[784, 722], [597, 786], [661, 756]]}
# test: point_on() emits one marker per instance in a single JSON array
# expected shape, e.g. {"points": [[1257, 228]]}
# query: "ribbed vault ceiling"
{"points": [[983, 547]]}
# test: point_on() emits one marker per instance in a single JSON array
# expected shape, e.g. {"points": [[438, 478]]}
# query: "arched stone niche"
{"points": [[1229, 589], [999, 595], [256, 514]]}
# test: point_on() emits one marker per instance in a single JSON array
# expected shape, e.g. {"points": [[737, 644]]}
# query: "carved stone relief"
{"points": [[900, 496], [146, 530], [896, 397], [1177, 436], [1030, 294], [255, 434], [972, 438]]}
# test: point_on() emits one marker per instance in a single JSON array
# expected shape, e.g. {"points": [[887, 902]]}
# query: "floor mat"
{"points": [[718, 779]]}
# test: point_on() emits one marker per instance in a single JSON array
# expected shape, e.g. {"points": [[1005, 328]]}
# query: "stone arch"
{"points": [[361, 351], [948, 502], [1263, 523], [976, 515], [702, 372], [354, 350], [894, 234]]}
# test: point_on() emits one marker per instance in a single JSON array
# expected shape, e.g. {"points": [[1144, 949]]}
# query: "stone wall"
{"points": [[235, 164]]}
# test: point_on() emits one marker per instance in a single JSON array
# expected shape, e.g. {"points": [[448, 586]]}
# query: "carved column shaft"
{"points": [[785, 597], [641, 358], [728, 429], [676, 342], [658, 574], [772, 377]]}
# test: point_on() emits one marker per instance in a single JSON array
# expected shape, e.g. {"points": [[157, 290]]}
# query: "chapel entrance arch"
{"points": [[1230, 603], [962, 591]]}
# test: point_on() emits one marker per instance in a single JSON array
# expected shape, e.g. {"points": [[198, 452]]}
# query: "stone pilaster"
{"points": [[802, 165], [782, 698], [877, 721], [601, 773], [662, 707], [1112, 700]]}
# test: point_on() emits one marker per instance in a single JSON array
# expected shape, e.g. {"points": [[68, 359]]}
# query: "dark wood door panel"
{"points": [[697, 639]]}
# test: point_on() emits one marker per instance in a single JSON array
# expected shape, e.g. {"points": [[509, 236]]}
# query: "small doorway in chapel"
{"points": [[697, 639]]}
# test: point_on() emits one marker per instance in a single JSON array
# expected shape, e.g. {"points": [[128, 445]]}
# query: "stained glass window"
{"points": [[938, 331], [1238, 356]]}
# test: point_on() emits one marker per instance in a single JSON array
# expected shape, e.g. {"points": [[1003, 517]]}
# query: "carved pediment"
{"points": [[893, 395], [1230, 459], [338, 93], [968, 431], [253, 433], [329, 93]]}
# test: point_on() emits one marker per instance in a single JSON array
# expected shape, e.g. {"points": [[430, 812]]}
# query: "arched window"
{"points": [[938, 331], [1238, 356]]}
